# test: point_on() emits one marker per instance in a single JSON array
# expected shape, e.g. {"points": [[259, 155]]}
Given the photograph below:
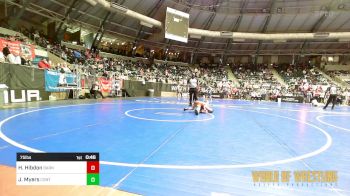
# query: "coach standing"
{"points": [[192, 83], [332, 96]]}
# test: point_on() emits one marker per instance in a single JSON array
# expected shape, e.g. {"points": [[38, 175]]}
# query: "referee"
{"points": [[192, 83], [332, 97]]}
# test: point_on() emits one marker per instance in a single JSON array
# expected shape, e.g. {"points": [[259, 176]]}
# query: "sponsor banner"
{"points": [[18, 48], [12, 96], [173, 88], [292, 99], [54, 78], [168, 87], [216, 95], [22, 96], [120, 82], [105, 84], [41, 53], [86, 81]]}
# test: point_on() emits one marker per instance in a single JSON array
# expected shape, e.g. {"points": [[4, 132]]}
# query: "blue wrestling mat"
{"points": [[150, 146]]}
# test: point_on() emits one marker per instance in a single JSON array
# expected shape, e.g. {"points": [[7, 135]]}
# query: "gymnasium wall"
{"points": [[20, 79]]}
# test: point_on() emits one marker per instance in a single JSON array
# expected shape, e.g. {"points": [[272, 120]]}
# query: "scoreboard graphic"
{"points": [[176, 25], [57, 169]]}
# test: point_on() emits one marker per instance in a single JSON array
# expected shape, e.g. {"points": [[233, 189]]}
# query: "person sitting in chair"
{"points": [[95, 89], [62, 81]]}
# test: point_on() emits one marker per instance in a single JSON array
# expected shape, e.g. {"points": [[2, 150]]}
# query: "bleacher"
{"points": [[255, 80], [298, 75], [341, 74]]}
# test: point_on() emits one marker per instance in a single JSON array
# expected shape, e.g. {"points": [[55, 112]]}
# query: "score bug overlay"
{"points": [[297, 177], [57, 168]]}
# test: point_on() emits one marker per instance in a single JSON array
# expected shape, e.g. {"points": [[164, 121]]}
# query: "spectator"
{"points": [[95, 89], [2, 57], [11, 58], [62, 78], [18, 60], [23, 61], [6, 51], [43, 64], [105, 74], [65, 68]]}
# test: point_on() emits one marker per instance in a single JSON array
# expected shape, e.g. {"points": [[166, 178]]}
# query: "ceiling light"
{"points": [[341, 6], [226, 34], [146, 24], [321, 35], [119, 7], [279, 40], [91, 2], [195, 36], [238, 40]]}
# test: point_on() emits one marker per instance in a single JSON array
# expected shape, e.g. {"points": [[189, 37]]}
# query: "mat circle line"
{"points": [[182, 167], [318, 118], [127, 113]]}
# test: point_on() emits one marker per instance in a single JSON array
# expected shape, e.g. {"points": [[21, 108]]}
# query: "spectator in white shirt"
{"points": [[65, 68], [2, 57], [11, 58], [18, 60]]}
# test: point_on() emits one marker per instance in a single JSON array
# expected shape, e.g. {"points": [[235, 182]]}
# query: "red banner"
{"points": [[105, 84], [18, 48]]}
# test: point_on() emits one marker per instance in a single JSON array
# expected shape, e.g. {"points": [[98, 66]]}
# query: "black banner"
{"points": [[292, 99], [19, 77], [21, 81], [138, 88], [57, 156]]}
